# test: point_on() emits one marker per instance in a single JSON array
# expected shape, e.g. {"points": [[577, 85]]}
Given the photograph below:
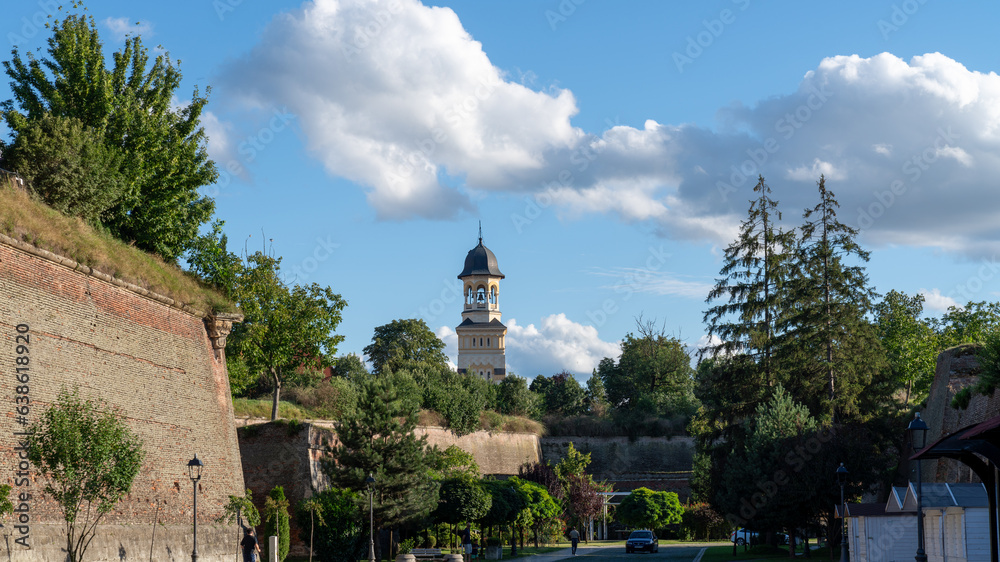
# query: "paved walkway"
{"points": [[554, 555]]}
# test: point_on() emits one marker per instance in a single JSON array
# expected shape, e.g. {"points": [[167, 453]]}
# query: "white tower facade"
{"points": [[481, 335]]}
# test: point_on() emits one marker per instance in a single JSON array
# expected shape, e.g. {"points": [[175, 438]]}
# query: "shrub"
{"points": [[406, 546], [276, 520], [342, 536]]}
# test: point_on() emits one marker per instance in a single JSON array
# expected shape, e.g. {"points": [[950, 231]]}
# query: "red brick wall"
{"points": [[153, 361]]}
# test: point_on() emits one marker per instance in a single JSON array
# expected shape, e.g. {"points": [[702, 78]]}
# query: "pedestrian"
{"points": [[251, 548], [574, 539]]}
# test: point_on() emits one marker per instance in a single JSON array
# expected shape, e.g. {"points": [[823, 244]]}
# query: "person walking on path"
{"points": [[574, 539], [251, 548]]}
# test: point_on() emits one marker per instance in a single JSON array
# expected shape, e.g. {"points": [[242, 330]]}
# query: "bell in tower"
{"points": [[481, 335]]}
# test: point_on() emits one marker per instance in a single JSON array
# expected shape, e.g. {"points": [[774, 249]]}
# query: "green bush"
{"points": [[276, 521], [406, 546], [69, 166], [343, 534]]}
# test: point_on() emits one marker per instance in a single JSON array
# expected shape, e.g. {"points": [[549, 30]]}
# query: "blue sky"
{"points": [[604, 146]]}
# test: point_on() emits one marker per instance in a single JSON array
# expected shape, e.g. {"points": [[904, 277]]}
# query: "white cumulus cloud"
{"points": [[400, 98], [556, 344], [936, 301]]}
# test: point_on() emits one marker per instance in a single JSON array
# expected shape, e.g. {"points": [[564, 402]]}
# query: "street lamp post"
{"points": [[194, 472], [371, 517], [917, 431], [842, 480]]}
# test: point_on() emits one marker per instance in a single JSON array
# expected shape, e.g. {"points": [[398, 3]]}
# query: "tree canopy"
{"points": [[402, 343], [152, 153], [89, 457]]}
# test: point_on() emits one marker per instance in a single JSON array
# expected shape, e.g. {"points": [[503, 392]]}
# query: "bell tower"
{"points": [[481, 335]]}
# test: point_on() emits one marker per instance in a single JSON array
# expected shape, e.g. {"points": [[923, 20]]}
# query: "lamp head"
{"points": [[917, 431], [194, 469], [370, 480], [841, 474]]}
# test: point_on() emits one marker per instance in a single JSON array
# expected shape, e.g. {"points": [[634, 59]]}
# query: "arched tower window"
{"points": [[469, 298], [493, 295], [481, 296]]}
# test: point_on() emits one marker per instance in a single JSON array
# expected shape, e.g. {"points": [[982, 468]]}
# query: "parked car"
{"points": [[642, 540], [745, 536]]}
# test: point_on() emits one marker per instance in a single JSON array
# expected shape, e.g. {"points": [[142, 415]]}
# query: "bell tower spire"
{"points": [[481, 335]]}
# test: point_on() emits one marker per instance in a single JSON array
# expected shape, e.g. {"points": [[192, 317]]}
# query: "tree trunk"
{"points": [[277, 394]]}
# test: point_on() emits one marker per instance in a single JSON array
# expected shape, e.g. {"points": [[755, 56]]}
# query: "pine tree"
{"points": [[755, 267], [828, 349], [378, 439]]}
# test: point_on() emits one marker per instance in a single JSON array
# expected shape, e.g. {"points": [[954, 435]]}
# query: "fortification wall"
{"points": [[142, 354], [496, 453], [957, 368], [657, 463]]}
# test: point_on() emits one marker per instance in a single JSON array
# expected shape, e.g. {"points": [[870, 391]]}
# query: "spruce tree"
{"points": [[750, 285], [828, 350], [378, 439]]}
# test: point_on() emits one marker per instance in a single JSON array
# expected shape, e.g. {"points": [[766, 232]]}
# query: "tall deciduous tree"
{"points": [[540, 507], [582, 494], [829, 352], [90, 458], [283, 328], [402, 343], [130, 106], [652, 377], [378, 439], [910, 343], [515, 399]]}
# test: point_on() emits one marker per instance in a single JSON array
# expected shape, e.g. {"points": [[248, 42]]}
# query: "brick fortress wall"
{"points": [[138, 352], [290, 455], [957, 368]]}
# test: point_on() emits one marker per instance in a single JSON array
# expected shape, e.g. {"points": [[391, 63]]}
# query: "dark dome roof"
{"points": [[481, 261]]}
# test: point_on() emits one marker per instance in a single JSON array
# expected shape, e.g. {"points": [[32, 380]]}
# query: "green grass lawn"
{"points": [[725, 553]]}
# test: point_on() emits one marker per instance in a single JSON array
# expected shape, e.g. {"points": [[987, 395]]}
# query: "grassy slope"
{"points": [[28, 220], [261, 408]]}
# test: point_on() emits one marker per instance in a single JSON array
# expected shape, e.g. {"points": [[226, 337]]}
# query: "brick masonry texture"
{"points": [[957, 368], [657, 463], [154, 362]]}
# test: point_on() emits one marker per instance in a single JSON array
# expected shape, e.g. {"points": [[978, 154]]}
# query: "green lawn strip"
{"points": [[725, 553]]}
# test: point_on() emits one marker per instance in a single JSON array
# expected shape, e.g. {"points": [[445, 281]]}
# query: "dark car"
{"points": [[642, 540]]}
